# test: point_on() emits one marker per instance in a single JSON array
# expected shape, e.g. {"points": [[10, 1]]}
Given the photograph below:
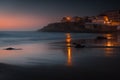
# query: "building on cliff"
{"points": [[95, 27], [71, 19], [114, 16]]}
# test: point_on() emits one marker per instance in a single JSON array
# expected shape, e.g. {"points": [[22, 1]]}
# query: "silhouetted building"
{"points": [[76, 19], [114, 15], [71, 19], [100, 27], [102, 19]]}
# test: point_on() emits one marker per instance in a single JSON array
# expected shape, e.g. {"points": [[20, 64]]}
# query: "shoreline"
{"points": [[90, 43], [87, 64], [102, 32]]}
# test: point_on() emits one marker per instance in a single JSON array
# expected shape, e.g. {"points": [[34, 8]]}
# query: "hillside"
{"points": [[63, 27]]}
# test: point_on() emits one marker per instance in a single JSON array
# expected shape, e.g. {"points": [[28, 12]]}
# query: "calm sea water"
{"points": [[39, 48]]}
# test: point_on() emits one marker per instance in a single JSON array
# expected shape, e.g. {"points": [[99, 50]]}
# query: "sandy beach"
{"points": [[59, 39], [95, 68], [94, 72]]}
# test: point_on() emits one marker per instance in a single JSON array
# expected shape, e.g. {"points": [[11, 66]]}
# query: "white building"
{"points": [[101, 20]]}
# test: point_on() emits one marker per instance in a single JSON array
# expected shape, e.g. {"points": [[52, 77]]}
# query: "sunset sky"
{"points": [[34, 14]]}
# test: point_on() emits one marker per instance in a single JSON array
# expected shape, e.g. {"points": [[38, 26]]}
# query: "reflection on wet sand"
{"points": [[69, 61], [69, 50], [109, 51], [112, 41]]}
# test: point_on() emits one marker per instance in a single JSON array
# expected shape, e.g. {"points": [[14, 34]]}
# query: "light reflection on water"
{"points": [[112, 41], [41, 53], [69, 52]]}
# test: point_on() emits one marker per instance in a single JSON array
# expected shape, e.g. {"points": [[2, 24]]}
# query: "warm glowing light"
{"points": [[68, 44], [109, 44], [68, 18], [111, 41], [69, 52], [108, 51], [106, 20], [68, 38], [109, 36], [69, 60]]}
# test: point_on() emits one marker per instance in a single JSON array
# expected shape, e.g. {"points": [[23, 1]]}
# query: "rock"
{"points": [[78, 45], [10, 48], [101, 37]]}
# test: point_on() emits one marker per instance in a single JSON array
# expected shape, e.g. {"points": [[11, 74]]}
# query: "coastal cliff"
{"points": [[64, 27], [78, 27]]}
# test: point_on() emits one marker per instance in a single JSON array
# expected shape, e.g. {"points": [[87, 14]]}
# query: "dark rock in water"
{"points": [[101, 37], [74, 43], [78, 45], [10, 48]]}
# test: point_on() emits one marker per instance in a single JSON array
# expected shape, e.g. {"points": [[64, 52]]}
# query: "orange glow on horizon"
{"points": [[20, 21]]}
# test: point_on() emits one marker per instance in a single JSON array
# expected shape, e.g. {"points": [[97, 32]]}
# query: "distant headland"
{"points": [[104, 22]]}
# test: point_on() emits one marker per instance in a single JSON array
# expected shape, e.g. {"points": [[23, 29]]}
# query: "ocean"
{"points": [[49, 49]]}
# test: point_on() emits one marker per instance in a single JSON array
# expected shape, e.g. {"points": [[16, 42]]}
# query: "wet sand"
{"points": [[98, 68], [93, 72]]}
